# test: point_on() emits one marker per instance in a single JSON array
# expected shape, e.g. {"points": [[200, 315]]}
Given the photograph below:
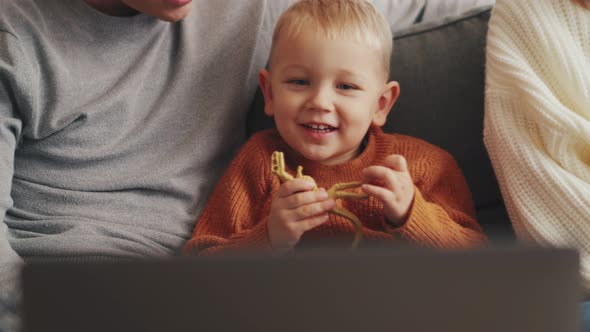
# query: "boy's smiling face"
{"points": [[325, 93]]}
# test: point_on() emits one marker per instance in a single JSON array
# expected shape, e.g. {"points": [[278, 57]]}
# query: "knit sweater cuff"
{"points": [[256, 238], [389, 227], [415, 228]]}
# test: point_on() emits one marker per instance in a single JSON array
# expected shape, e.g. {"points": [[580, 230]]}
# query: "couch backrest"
{"points": [[440, 68]]}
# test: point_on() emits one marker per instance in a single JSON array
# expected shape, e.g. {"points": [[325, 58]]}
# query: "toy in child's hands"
{"points": [[277, 166]]}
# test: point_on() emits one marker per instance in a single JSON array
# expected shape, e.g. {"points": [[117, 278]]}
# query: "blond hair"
{"points": [[355, 20]]}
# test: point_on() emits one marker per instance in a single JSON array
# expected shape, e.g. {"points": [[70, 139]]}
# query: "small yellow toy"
{"points": [[277, 166]]}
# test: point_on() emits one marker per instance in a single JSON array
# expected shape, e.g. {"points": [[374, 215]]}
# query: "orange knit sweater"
{"points": [[442, 214]]}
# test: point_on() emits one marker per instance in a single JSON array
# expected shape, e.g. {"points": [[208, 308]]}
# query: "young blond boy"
{"points": [[327, 88]]}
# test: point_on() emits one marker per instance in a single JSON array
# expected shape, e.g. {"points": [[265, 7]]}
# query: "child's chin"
{"points": [[316, 157], [327, 160], [321, 157]]}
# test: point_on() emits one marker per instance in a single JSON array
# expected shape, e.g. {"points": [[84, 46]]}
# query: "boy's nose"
{"points": [[321, 99]]}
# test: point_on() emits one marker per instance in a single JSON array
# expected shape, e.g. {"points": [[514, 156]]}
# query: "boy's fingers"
{"points": [[375, 172], [314, 209], [306, 197], [312, 222], [380, 175], [380, 193], [293, 186], [397, 162]]}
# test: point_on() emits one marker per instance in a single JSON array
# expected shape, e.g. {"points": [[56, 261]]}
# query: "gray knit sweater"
{"points": [[113, 130]]}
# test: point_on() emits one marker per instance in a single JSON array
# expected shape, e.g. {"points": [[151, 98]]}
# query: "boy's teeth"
{"points": [[319, 127]]}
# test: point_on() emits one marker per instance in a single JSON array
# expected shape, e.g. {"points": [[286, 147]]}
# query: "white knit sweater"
{"points": [[537, 119]]}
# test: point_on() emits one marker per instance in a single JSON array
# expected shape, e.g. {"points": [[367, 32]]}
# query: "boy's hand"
{"points": [[393, 185], [294, 210]]}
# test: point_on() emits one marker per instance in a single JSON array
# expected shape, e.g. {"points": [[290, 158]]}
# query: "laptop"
{"points": [[484, 290]]}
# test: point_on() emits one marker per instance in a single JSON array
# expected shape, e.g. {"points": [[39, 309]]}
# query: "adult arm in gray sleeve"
{"points": [[13, 84]]}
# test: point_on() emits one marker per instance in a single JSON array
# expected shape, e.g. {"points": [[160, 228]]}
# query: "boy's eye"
{"points": [[345, 86], [298, 82]]}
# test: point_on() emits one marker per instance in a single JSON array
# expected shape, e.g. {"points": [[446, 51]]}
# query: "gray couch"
{"points": [[440, 68]]}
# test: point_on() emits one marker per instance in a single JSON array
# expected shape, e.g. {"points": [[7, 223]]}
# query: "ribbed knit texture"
{"points": [[537, 119], [442, 215]]}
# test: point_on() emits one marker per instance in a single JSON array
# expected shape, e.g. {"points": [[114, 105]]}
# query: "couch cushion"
{"points": [[440, 68]]}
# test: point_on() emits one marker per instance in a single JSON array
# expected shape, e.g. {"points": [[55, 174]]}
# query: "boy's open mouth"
{"points": [[319, 128]]}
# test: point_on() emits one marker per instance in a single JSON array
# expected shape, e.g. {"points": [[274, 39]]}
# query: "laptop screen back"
{"points": [[380, 290]]}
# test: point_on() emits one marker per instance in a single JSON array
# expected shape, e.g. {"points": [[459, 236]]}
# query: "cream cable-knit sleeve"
{"points": [[537, 119]]}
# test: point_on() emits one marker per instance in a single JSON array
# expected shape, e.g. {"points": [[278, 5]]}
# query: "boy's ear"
{"points": [[264, 82], [386, 101]]}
